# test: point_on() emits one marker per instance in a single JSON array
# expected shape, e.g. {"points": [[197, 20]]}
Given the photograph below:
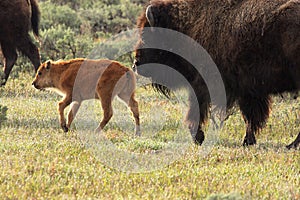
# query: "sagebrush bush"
{"points": [[3, 111]]}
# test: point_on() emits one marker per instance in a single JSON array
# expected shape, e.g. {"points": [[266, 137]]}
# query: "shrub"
{"points": [[61, 42], [54, 15], [3, 118]]}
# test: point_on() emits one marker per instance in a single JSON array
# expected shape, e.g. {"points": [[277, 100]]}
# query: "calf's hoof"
{"points": [[65, 128], [98, 130], [137, 131]]}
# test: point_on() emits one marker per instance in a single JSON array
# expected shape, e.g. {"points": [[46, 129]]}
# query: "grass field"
{"points": [[40, 161]]}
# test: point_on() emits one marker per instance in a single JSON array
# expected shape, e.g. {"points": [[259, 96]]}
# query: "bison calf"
{"points": [[81, 79]]}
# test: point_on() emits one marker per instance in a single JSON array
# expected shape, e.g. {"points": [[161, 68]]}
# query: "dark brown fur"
{"points": [[17, 17], [79, 79], [255, 44]]}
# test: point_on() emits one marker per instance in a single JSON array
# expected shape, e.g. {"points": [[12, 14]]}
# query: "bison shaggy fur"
{"points": [[255, 45], [17, 17]]}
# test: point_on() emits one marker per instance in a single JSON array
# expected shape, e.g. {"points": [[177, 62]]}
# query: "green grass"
{"points": [[39, 161]]}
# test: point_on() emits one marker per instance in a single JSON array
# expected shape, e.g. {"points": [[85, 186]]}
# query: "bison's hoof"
{"points": [[290, 146], [2, 82], [249, 141], [293, 145], [65, 128], [199, 138], [2, 78]]}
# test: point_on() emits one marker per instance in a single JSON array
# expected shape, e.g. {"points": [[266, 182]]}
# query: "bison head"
{"points": [[43, 79], [155, 56]]}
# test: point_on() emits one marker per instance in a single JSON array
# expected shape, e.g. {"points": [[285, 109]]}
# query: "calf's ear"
{"points": [[48, 65]]}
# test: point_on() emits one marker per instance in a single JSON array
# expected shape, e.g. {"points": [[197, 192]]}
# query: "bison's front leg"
{"points": [[250, 135], [196, 132], [10, 57], [61, 107], [255, 111], [195, 117]]}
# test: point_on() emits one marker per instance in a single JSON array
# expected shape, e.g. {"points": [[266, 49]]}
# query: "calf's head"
{"points": [[42, 78]]}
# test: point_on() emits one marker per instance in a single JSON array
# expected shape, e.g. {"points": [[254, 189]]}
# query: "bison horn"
{"points": [[149, 16]]}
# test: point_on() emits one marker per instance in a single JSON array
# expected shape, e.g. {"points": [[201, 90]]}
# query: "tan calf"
{"points": [[81, 79]]}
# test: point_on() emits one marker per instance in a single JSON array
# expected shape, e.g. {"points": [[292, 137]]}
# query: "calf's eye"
{"points": [[39, 73]]}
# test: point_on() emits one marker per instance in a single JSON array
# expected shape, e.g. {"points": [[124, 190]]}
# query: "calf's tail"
{"points": [[130, 77]]}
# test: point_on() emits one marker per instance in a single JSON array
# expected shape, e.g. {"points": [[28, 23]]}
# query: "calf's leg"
{"points": [[107, 111], [72, 112], [129, 99], [61, 107]]}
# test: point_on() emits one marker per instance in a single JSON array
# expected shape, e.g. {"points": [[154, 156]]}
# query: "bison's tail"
{"points": [[35, 16]]}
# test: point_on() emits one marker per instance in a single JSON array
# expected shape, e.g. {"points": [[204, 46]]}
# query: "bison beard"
{"points": [[16, 18], [255, 45]]}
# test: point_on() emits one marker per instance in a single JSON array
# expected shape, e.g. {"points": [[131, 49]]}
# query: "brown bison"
{"points": [[79, 79], [17, 17], [254, 44]]}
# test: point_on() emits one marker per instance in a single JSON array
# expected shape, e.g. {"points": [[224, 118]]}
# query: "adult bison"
{"points": [[255, 45], [17, 17]]}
